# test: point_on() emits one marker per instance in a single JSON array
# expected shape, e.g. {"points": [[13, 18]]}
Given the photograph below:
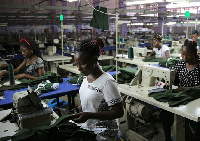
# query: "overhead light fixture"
{"points": [[136, 24], [182, 4], [71, 0], [3, 24], [170, 23], [124, 22], [142, 2]]}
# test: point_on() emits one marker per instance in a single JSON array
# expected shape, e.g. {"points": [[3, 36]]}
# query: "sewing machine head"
{"points": [[26, 101], [147, 75], [139, 52]]}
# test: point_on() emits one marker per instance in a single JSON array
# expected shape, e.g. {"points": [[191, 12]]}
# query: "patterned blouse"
{"points": [[185, 77], [33, 68]]}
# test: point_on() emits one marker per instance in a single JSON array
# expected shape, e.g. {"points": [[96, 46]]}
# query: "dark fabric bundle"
{"points": [[125, 75], [61, 130], [175, 97], [52, 77]]}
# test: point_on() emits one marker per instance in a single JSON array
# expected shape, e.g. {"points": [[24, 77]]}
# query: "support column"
{"points": [[78, 25], [124, 27], [161, 18], [54, 27], [64, 12]]}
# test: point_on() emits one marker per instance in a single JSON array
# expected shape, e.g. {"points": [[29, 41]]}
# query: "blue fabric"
{"points": [[63, 89]]}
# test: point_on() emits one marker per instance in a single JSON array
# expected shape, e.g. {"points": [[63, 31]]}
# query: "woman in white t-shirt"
{"points": [[159, 50], [101, 103]]}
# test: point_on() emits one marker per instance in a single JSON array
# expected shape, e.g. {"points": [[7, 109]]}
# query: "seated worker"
{"points": [[101, 102], [33, 64], [195, 35], [187, 75], [159, 50]]}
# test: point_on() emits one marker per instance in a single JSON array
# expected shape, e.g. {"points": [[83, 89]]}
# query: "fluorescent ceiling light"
{"points": [[136, 24], [71, 0], [150, 15], [142, 2], [3, 24], [170, 23], [123, 22], [183, 4]]}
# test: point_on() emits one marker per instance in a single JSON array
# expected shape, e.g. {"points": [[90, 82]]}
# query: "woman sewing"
{"points": [[101, 103], [187, 75], [33, 65], [159, 50]]}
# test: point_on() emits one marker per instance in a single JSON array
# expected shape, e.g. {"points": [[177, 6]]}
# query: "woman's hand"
{"points": [[182, 88], [81, 117]]}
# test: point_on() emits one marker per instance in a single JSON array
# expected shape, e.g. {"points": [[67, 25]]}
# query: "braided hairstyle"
{"points": [[157, 37], [191, 47], [92, 47], [30, 44]]}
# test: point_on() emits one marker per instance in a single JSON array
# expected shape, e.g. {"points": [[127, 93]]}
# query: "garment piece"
{"points": [[76, 79], [45, 86], [100, 20], [125, 75], [109, 68], [185, 77], [153, 59], [161, 52], [175, 97], [33, 68], [61, 130], [169, 62], [99, 96], [52, 77]]}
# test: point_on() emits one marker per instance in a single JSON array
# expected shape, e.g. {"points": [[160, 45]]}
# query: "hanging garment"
{"points": [[100, 20]]}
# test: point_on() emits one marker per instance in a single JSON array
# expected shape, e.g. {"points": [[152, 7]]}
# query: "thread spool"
{"points": [[198, 42], [118, 39], [122, 40], [11, 74], [130, 52], [169, 37]]}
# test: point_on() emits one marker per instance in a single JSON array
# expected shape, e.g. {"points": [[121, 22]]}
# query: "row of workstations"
{"points": [[189, 111], [139, 92]]}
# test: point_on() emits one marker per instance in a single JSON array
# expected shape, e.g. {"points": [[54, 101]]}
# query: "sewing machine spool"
{"points": [[11, 74], [130, 53]]}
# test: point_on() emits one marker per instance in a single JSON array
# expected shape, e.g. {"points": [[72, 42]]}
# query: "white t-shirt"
{"points": [[161, 52], [99, 96]]}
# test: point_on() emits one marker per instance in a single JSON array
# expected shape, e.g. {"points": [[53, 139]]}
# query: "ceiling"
{"points": [[47, 12]]}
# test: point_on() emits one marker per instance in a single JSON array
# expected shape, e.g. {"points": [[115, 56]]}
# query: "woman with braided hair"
{"points": [[159, 50], [101, 103], [33, 64], [187, 75]]}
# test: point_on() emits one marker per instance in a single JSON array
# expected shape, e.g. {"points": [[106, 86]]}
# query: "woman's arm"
{"points": [[153, 53], [117, 111], [24, 75], [15, 70]]}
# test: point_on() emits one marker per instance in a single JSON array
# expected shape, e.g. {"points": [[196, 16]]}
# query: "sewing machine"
{"points": [[138, 111], [176, 46], [29, 110], [147, 75], [139, 52]]}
